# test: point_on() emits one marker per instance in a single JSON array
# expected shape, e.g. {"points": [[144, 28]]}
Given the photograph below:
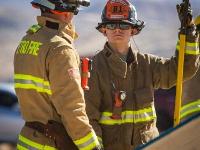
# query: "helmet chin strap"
{"points": [[135, 44]]}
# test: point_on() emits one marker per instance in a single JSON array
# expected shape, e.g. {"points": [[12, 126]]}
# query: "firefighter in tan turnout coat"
{"points": [[191, 92], [120, 102], [47, 82]]}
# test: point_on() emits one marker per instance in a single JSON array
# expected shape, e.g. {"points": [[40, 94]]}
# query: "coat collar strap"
{"points": [[65, 30]]}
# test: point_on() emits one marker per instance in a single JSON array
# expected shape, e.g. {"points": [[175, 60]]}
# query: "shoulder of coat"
{"points": [[98, 56], [58, 41], [99, 60], [34, 28]]}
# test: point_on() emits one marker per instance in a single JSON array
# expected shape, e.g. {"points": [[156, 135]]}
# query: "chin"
{"points": [[119, 40]]}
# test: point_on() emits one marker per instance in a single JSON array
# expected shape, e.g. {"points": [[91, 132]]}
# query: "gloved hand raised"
{"points": [[185, 14]]}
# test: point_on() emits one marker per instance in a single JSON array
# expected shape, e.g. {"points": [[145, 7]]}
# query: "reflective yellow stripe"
{"points": [[88, 142], [30, 82], [143, 115], [190, 48], [34, 28], [36, 79], [31, 145], [190, 108], [19, 147]]}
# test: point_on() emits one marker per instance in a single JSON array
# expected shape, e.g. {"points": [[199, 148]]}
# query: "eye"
{"points": [[124, 26], [111, 26]]}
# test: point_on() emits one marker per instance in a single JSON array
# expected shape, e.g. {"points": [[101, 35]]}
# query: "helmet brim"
{"points": [[100, 25]]}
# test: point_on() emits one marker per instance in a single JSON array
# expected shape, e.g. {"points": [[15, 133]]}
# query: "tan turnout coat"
{"points": [[138, 76], [47, 81]]}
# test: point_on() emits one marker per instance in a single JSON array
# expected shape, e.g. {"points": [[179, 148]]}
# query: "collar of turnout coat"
{"points": [[116, 64], [66, 30]]}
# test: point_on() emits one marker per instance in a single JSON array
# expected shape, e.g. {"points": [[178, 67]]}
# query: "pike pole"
{"points": [[179, 83]]}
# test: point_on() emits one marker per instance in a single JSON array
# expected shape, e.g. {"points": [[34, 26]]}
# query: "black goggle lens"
{"points": [[121, 26]]}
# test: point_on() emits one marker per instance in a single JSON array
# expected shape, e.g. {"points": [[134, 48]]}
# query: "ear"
{"points": [[134, 31], [68, 16], [103, 31]]}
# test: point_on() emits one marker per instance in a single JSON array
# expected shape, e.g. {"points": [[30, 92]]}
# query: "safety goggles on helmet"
{"points": [[121, 26], [61, 5]]}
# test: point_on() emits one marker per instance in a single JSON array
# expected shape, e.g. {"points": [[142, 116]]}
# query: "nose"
{"points": [[118, 30]]}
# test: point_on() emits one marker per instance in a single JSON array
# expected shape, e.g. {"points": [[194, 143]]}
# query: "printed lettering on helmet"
{"points": [[74, 73], [117, 10]]}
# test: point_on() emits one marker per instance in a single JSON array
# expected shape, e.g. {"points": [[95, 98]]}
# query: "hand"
{"points": [[182, 10]]}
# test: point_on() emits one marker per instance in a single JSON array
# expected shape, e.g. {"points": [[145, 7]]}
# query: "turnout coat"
{"points": [[138, 76]]}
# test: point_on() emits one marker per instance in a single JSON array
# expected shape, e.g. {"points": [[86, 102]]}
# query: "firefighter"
{"points": [[47, 82], [191, 92], [120, 102]]}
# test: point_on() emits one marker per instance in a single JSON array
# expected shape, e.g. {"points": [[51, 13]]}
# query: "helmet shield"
{"points": [[116, 11]]}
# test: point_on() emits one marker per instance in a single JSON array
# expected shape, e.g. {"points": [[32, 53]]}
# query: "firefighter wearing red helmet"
{"points": [[47, 82], [120, 102]]}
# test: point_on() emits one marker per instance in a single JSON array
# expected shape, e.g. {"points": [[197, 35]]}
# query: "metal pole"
{"points": [[179, 84]]}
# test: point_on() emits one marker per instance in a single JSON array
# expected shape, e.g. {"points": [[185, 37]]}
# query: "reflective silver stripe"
{"points": [[24, 81], [88, 142], [41, 85], [190, 108], [142, 115], [190, 48], [24, 145], [84, 145]]}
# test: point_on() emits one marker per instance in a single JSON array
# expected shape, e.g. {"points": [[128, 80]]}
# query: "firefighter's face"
{"points": [[118, 33]]}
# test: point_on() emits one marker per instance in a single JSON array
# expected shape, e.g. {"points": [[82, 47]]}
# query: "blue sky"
{"points": [[158, 37]]}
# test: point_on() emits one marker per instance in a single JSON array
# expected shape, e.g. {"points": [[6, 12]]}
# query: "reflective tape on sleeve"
{"points": [[190, 108], [26, 144], [190, 48], [138, 116], [30, 82], [88, 142]]}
